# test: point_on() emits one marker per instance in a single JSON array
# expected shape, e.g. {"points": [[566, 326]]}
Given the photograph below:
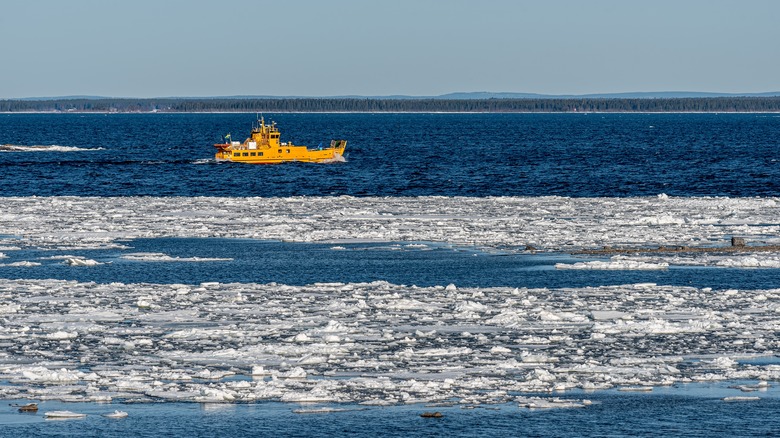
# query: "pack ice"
{"points": [[545, 223], [379, 343], [371, 343]]}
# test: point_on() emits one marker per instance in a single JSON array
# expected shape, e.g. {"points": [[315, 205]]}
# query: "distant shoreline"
{"points": [[369, 105], [379, 112]]}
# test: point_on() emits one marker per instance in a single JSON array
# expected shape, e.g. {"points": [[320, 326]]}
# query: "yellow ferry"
{"points": [[264, 147]]}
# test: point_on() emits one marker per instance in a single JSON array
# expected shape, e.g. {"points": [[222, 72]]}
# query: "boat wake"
{"points": [[337, 158], [204, 161], [44, 148]]}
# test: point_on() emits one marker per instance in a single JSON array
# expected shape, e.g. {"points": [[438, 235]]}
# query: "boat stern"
{"points": [[339, 146]]}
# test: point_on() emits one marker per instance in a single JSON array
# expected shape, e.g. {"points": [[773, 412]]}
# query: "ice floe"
{"points": [[116, 414], [738, 398], [378, 343], [552, 403], [754, 260], [749, 262], [622, 264], [79, 261], [63, 414], [545, 223], [374, 343], [23, 263], [160, 257]]}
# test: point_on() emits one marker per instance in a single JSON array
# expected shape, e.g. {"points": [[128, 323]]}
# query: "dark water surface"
{"points": [[427, 264], [688, 410], [579, 155]]}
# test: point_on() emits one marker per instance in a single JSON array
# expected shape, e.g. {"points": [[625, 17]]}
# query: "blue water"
{"points": [[613, 155], [256, 261], [687, 410], [580, 155]]}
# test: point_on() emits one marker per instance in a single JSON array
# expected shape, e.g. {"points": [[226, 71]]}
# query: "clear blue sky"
{"points": [[148, 48]]}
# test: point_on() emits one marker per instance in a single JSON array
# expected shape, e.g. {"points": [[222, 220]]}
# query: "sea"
{"points": [[400, 157], [403, 155]]}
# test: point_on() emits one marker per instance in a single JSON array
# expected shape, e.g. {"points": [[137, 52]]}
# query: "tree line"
{"points": [[493, 105]]}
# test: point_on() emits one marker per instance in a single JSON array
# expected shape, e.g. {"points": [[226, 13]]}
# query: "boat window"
{"points": [[259, 154], [251, 154], [246, 154], [280, 151], [288, 151]]}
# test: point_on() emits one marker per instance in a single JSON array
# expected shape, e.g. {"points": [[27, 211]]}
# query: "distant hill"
{"points": [[451, 96], [33, 99], [475, 102], [629, 95]]}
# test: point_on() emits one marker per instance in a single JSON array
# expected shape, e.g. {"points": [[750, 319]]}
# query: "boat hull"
{"points": [[282, 154]]}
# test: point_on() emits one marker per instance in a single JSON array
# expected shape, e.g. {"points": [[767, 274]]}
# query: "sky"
{"points": [[156, 48]]}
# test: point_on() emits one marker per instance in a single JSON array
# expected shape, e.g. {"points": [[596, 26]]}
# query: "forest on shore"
{"points": [[379, 105]]}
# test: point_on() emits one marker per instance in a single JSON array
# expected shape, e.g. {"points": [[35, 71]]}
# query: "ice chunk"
{"points": [[60, 335], [160, 257], [81, 262], [116, 414], [738, 398], [551, 403], [24, 263], [623, 265], [63, 414]]}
